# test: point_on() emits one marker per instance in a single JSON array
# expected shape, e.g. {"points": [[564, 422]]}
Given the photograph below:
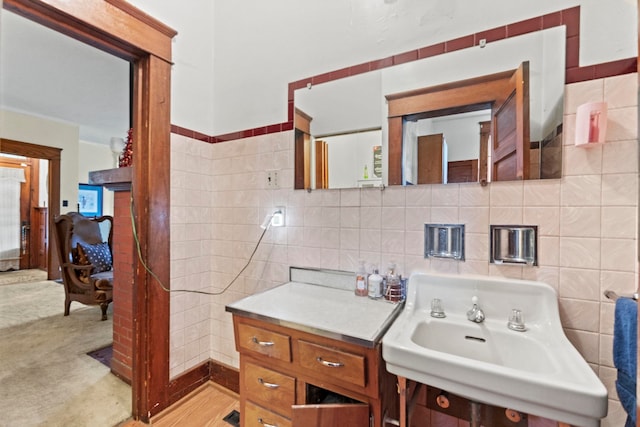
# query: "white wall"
{"points": [[43, 195], [234, 60], [95, 157], [77, 158], [35, 130], [348, 154], [192, 81]]}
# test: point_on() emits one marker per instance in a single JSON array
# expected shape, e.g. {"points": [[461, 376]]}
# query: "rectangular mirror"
{"points": [[351, 118]]}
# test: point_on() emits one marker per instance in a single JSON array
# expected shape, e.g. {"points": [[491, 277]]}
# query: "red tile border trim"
{"points": [[573, 73]]}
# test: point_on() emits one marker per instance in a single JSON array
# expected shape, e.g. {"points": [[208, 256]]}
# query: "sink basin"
{"points": [[537, 371], [482, 344]]}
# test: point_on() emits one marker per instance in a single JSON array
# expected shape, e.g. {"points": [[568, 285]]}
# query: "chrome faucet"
{"points": [[475, 314]]}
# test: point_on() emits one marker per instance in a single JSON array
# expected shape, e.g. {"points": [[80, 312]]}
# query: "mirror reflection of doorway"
{"points": [[505, 94]]}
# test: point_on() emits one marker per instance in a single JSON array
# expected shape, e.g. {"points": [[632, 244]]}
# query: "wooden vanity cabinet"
{"points": [[290, 377]]}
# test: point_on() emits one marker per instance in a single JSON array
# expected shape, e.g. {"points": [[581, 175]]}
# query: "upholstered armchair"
{"points": [[84, 249]]}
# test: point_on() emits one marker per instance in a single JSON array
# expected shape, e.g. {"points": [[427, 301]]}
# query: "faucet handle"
{"points": [[516, 321], [474, 300], [436, 308]]}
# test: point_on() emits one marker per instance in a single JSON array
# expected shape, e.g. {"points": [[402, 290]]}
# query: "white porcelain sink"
{"points": [[537, 371]]}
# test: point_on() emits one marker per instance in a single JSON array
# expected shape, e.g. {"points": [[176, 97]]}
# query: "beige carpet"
{"points": [[45, 375], [22, 276]]}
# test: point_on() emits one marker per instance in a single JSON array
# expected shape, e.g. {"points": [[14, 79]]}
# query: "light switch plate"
{"points": [[273, 179]]}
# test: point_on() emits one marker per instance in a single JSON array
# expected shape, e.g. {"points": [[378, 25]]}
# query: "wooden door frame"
{"points": [[461, 96], [117, 27], [514, 99], [52, 154]]}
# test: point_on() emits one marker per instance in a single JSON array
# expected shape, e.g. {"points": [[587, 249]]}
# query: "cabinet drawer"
{"points": [[265, 342], [335, 363], [269, 388], [257, 416]]}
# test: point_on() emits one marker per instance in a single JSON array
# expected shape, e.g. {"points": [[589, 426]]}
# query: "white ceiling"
{"points": [[47, 74]]}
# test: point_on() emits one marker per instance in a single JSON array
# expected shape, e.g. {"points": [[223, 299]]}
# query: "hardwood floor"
{"points": [[204, 407]]}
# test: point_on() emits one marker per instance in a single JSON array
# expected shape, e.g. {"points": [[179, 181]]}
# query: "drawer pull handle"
{"points": [[330, 364], [268, 385], [261, 421], [262, 343]]}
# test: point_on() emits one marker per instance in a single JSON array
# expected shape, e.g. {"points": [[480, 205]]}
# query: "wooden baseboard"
{"points": [[188, 381], [227, 376], [210, 370]]}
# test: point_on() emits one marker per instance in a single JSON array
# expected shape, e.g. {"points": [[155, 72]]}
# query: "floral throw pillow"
{"points": [[99, 255]]}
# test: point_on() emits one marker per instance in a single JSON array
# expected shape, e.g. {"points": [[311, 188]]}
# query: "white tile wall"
{"points": [[587, 223]]}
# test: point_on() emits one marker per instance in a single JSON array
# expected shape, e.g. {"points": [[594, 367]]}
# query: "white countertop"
{"points": [[331, 312]]}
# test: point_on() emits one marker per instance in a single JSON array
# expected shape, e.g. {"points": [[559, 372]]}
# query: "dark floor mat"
{"points": [[233, 418], [103, 355]]}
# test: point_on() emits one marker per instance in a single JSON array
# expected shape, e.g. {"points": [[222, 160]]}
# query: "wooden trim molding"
{"points": [[127, 31], [226, 376], [211, 370], [120, 29], [302, 121], [117, 179], [151, 205], [149, 21], [188, 381], [458, 94]]}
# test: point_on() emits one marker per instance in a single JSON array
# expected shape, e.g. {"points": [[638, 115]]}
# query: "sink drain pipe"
{"points": [[387, 420], [476, 414]]}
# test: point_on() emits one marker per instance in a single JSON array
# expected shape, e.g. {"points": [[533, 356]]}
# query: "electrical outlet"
{"points": [[272, 179], [278, 219]]}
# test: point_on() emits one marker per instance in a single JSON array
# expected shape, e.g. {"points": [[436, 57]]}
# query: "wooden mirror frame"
{"points": [[117, 27]]}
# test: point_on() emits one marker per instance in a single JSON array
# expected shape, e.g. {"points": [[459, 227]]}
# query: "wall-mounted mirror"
{"points": [[350, 116]]}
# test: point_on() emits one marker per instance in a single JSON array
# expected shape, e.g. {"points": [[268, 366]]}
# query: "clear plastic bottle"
{"points": [[375, 285], [393, 291], [361, 281]]}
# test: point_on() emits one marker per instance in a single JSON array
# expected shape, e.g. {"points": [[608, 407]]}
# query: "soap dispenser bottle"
{"points": [[375, 285], [361, 281], [393, 291]]}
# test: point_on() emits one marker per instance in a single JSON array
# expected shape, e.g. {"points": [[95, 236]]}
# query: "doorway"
{"points": [[34, 151], [118, 28], [19, 190]]}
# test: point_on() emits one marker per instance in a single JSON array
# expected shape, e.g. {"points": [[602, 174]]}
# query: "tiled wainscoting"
{"points": [[587, 224]]}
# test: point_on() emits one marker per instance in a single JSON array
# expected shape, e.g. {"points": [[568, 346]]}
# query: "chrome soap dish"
{"points": [[514, 244], [444, 241]]}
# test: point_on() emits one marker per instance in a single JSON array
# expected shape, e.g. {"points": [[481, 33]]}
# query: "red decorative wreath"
{"points": [[126, 157]]}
